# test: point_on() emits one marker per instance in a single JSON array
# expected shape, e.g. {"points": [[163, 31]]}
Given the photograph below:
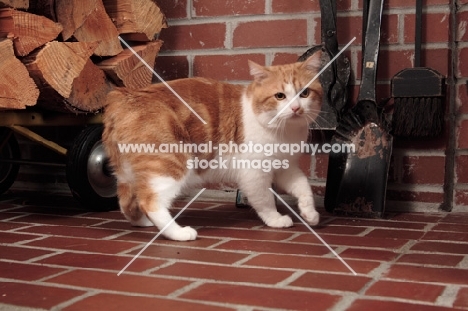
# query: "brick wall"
{"points": [[215, 38]]}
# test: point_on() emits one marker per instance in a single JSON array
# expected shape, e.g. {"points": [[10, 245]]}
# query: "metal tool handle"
{"points": [[371, 46], [418, 34], [328, 24]]}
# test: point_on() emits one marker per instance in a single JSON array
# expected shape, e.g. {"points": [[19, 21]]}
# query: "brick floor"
{"points": [[55, 255]]}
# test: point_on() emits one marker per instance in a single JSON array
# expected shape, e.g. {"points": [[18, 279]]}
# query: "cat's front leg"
{"points": [[294, 182], [255, 185]]}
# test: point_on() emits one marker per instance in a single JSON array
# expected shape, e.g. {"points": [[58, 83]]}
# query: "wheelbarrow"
{"points": [[88, 177]]}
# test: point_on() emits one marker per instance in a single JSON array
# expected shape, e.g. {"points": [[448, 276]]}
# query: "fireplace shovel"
{"points": [[357, 179]]}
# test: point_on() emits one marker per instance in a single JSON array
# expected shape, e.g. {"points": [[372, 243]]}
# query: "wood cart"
{"points": [[88, 176]]}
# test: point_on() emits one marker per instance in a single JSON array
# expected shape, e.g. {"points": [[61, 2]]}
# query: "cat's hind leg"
{"points": [[155, 196], [255, 185], [129, 206]]}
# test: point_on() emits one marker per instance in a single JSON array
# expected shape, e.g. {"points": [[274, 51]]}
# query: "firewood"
{"points": [[17, 4], [127, 70], [68, 79], [29, 31], [17, 89], [136, 20], [87, 21]]}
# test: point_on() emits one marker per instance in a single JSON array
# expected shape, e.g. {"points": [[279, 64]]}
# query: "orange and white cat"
{"points": [[147, 183]]}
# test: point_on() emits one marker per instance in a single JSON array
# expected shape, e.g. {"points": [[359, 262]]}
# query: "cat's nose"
{"points": [[295, 108]]}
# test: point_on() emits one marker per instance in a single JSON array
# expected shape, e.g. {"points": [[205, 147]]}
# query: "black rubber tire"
{"points": [[10, 150], [77, 171]]}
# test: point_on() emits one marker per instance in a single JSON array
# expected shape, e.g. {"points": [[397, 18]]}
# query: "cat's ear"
{"points": [[258, 72], [314, 62]]}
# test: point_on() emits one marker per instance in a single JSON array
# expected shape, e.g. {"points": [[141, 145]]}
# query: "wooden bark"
{"points": [[17, 89], [136, 20], [17, 4], [126, 69], [88, 21], [29, 31]]}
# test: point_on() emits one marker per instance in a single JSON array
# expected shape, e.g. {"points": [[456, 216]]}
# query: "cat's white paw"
{"points": [[182, 234], [279, 221], [312, 217]]}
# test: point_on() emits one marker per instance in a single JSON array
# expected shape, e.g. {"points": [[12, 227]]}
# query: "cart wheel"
{"points": [[88, 176], [9, 149]]}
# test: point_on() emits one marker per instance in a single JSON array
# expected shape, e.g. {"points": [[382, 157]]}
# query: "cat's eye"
{"points": [[305, 93], [280, 96]]}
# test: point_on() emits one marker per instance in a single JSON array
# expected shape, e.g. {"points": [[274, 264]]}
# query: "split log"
{"points": [[17, 89], [68, 79], [29, 31], [17, 4], [127, 70], [136, 20], [87, 21]]}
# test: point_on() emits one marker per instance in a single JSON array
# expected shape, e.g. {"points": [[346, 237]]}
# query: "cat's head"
{"points": [[280, 96]]}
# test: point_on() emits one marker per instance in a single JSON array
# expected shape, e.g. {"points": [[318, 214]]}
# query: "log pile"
{"points": [[66, 55]]}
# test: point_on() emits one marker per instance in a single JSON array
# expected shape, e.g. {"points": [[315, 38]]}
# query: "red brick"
{"points": [[456, 218], [382, 305], [418, 217], [223, 8], [192, 254], [223, 273], [461, 197], [194, 37], [413, 291], [451, 227], [388, 243], [57, 220], [284, 58], [463, 135], [263, 297], [415, 196], [462, 298], [389, 29], [81, 232], [429, 275], [274, 247], [368, 254], [173, 9], [146, 236], [245, 234], [225, 67], [328, 281], [435, 28], [463, 62], [437, 59], [423, 170], [274, 33], [298, 6], [311, 263], [171, 67], [34, 296], [462, 17], [99, 261], [123, 283], [25, 272], [8, 237], [395, 234], [446, 236], [320, 165], [462, 98], [377, 223], [431, 259], [121, 302], [86, 245], [341, 230], [20, 253], [441, 247], [349, 27]]}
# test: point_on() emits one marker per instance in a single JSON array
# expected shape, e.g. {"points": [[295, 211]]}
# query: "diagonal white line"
{"points": [[161, 231], [311, 81], [162, 80], [313, 231]]}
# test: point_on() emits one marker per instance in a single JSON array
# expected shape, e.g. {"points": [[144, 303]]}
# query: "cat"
{"points": [[148, 183]]}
